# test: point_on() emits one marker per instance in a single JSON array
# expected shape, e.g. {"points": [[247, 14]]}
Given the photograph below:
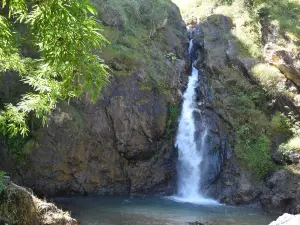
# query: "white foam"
{"points": [[197, 201]]}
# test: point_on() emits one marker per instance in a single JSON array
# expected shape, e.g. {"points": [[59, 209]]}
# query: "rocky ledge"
{"points": [[31, 210]]}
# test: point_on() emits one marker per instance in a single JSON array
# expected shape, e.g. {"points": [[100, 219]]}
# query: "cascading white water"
{"points": [[190, 157]]}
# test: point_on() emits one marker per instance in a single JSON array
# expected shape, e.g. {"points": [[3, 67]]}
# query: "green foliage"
{"points": [[3, 180], [280, 124], [229, 2], [286, 13], [253, 144], [174, 112], [267, 75], [67, 37], [272, 81], [15, 146], [133, 16], [172, 57], [253, 152], [134, 45], [245, 106], [290, 126], [155, 15]]}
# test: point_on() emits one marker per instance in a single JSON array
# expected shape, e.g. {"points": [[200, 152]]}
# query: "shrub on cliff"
{"points": [[65, 35]]}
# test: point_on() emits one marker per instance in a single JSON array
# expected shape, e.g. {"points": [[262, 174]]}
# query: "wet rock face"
{"points": [[215, 146], [218, 146], [123, 144]]}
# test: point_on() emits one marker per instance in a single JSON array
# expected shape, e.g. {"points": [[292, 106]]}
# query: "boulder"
{"points": [[287, 157], [287, 219], [282, 192]]}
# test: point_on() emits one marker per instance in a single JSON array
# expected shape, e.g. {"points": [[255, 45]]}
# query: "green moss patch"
{"points": [[174, 113]]}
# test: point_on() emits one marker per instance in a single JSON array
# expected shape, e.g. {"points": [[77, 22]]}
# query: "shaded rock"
{"points": [[19, 206], [287, 219], [282, 192], [287, 157], [236, 186]]}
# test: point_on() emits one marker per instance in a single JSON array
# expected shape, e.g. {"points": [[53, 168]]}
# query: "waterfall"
{"points": [[189, 154]]}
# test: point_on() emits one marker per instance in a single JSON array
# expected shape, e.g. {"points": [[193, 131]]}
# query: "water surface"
{"points": [[95, 210]]}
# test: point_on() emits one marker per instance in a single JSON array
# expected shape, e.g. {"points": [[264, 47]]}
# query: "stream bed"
{"points": [[100, 210]]}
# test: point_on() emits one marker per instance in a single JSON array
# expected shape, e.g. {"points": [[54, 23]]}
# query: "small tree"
{"points": [[67, 37]]}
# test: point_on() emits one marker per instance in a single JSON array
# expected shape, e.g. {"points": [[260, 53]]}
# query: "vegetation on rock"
{"points": [[3, 180], [137, 41]]}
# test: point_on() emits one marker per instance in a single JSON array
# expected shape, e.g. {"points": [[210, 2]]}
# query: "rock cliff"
{"points": [[123, 144], [241, 110]]}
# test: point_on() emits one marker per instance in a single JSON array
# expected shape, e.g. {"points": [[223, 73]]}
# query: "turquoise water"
{"points": [[95, 210]]}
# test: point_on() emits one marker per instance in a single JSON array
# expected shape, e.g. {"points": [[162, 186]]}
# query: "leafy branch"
{"points": [[68, 37]]}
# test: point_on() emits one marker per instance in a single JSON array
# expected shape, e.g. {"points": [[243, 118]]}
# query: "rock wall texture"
{"points": [[123, 144]]}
